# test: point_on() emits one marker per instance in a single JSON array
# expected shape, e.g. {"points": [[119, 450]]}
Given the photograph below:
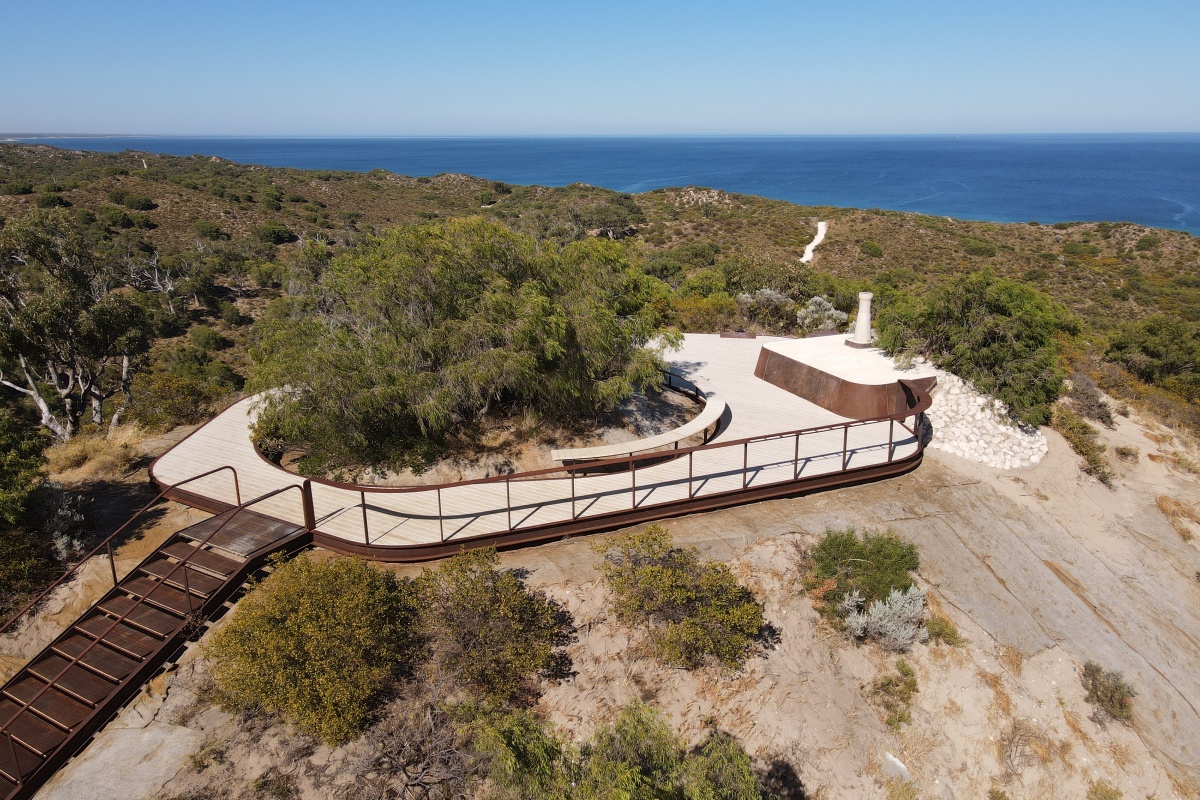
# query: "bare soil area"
{"points": [[1041, 569]]}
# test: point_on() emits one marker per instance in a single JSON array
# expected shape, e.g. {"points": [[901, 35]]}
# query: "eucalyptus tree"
{"points": [[414, 333], [71, 330]]}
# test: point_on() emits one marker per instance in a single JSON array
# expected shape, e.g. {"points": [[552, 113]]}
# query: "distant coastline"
{"points": [[1151, 179]]}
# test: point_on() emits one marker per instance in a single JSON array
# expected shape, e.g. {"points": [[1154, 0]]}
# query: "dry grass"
{"points": [[1023, 744], [1179, 514], [1073, 724], [1011, 658], [1001, 700], [1103, 790], [91, 457]]}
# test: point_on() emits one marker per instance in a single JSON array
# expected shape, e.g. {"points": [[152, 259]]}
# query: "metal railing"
{"points": [[25, 705], [107, 544], [632, 464]]}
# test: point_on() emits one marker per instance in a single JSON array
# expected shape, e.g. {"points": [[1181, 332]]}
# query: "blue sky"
{"points": [[473, 68]]}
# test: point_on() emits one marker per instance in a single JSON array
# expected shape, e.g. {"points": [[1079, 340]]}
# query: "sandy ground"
{"points": [[1041, 568]]}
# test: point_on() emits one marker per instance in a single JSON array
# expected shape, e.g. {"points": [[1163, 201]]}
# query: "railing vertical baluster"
{"points": [[573, 493], [187, 587], [508, 498], [441, 519], [745, 461], [891, 434], [306, 503], [690, 454], [362, 496], [112, 565], [796, 459], [633, 477], [845, 444], [16, 764]]}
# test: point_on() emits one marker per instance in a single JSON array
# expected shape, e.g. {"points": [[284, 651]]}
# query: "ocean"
{"points": [[1151, 179]]}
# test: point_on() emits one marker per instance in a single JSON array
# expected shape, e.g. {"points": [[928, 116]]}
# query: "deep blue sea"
{"points": [[1152, 179]]}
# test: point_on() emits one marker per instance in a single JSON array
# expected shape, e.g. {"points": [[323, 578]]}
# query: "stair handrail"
{"points": [[23, 706], [107, 544]]}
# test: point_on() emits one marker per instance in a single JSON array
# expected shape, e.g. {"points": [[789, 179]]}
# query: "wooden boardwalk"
{"points": [[771, 436]]}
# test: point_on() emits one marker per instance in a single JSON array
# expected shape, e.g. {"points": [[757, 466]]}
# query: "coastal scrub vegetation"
{"points": [[694, 610], [1108, 691], [997, 333], [409, 334], [319, 642]]}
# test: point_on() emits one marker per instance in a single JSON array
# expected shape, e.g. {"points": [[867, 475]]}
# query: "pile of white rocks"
{"points": [[977, 427]]}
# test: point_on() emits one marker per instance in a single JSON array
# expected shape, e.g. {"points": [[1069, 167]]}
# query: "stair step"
{"points": [[27, 761], [164, 596], [185, 577], [29, 729], [124, 638], [84, 685], [106, 661], [207, 560], [62, 709], [142, 616]]}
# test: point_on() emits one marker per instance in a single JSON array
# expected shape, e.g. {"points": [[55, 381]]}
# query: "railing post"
{"points": [[573, 517], [362, 496], [891, 430], [306, 500], [690, 454], [633, 477], [187, 587], [508, 498], [745, 461], [112, 565], [796, 459], [441, 519], [845, 444]]}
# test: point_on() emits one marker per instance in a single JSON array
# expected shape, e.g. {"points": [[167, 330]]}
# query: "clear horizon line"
{"points": [[29, 136]]}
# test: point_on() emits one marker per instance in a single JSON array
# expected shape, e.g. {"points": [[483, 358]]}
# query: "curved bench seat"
{"points": [[714, 409]]}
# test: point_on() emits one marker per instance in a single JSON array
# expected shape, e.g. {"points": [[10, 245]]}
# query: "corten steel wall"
{"points": [[843, 397]]}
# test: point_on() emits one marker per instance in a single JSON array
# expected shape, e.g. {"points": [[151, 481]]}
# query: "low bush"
{"points": [[895, 623], [637, 756], [871, 249], [1147, 242], [273, 233], [205, 229], [487, 629], [1085, 397], [206, 338], [1108, 691], [695, 611], [52, 200], [315, 642], [820, 315], [873, 565], [16, 188], [978, 247]]}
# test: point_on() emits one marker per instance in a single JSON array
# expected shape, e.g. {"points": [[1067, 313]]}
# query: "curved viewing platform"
{"points": [[773, 440]]}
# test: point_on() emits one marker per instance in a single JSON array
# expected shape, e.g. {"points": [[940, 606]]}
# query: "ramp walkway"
{"points": [[776, 442]]}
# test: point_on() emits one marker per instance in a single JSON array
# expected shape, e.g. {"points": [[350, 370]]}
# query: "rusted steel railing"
{"points": [[106, 545]]}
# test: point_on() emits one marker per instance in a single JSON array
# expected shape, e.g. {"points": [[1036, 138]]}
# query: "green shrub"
{"points": [[1080, 249], [999, 334], [978, 247], [229, 313], [1108, 691], [139, 202], [1148, 242], [872, 564], [205, 229], [207, 338], [487, 629], [695, 611], [16, 188], [163, 400], [871, 249], [941, 629], [273, 233], [635, 757], [316, 642], [51, 200]]}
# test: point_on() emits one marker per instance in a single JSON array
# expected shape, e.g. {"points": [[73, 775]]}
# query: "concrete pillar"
{"points": [[862, 325]]}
